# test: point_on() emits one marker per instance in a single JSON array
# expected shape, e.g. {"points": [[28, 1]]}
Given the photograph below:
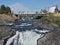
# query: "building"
{"points": [[53, 9]]}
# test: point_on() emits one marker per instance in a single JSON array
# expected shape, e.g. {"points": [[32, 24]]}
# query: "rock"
{"points": [[1, 42], [52, 38]]}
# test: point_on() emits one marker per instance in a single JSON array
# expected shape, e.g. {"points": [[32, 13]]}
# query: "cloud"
{"points": [[18, 7]]}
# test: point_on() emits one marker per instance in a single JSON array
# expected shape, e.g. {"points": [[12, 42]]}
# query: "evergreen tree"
{"points": [[8, 10], [3, 9], [44, 11]]}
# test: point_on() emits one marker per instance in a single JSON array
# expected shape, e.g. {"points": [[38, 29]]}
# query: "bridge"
{"points": [[29, 15]]}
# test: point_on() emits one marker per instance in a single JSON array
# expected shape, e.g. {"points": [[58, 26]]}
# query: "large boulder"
{"points": [[52, 38]]}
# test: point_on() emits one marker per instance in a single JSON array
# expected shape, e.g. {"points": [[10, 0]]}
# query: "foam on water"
{"points": [[24, 38], [27, 37]]}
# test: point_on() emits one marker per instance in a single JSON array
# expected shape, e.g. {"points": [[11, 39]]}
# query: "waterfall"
{"points": [[10, 40], [25, 38], [28, 34]]}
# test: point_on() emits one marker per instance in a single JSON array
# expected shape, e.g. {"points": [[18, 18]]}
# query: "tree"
{"points": [[0, 10], [56, 10], [36, 12], [8, 10], [44, 11], [3, 9]]}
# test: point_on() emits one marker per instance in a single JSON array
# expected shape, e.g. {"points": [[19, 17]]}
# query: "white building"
{"points": [[53, 9]]}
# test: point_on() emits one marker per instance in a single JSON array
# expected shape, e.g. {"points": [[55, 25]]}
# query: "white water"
{"points": [[24, 38], [24, 24]]}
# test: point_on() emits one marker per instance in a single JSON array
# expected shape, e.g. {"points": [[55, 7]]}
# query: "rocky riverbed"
{"points": [[52, 38]]}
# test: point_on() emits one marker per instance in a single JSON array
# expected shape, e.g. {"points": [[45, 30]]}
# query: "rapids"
{"points": [[24, 38]]}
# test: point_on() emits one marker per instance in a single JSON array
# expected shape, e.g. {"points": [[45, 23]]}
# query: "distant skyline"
{"points": [[29, 5]]}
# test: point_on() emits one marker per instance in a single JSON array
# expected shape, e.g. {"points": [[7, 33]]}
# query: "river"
{"points": [[26, 34]]}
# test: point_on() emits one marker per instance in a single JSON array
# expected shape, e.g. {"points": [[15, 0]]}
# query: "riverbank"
{"points": [[5, 18], [52, 38], [46, 24]]}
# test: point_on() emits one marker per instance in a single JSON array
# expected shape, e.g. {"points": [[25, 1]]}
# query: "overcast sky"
{"points": [[29, 5]]}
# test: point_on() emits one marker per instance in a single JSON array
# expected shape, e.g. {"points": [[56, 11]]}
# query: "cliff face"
{"points": [[52, 38], [6, 18]]}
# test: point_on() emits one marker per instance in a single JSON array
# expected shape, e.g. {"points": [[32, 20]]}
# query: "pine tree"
{"points": [[8, 10], [3, 9]]}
